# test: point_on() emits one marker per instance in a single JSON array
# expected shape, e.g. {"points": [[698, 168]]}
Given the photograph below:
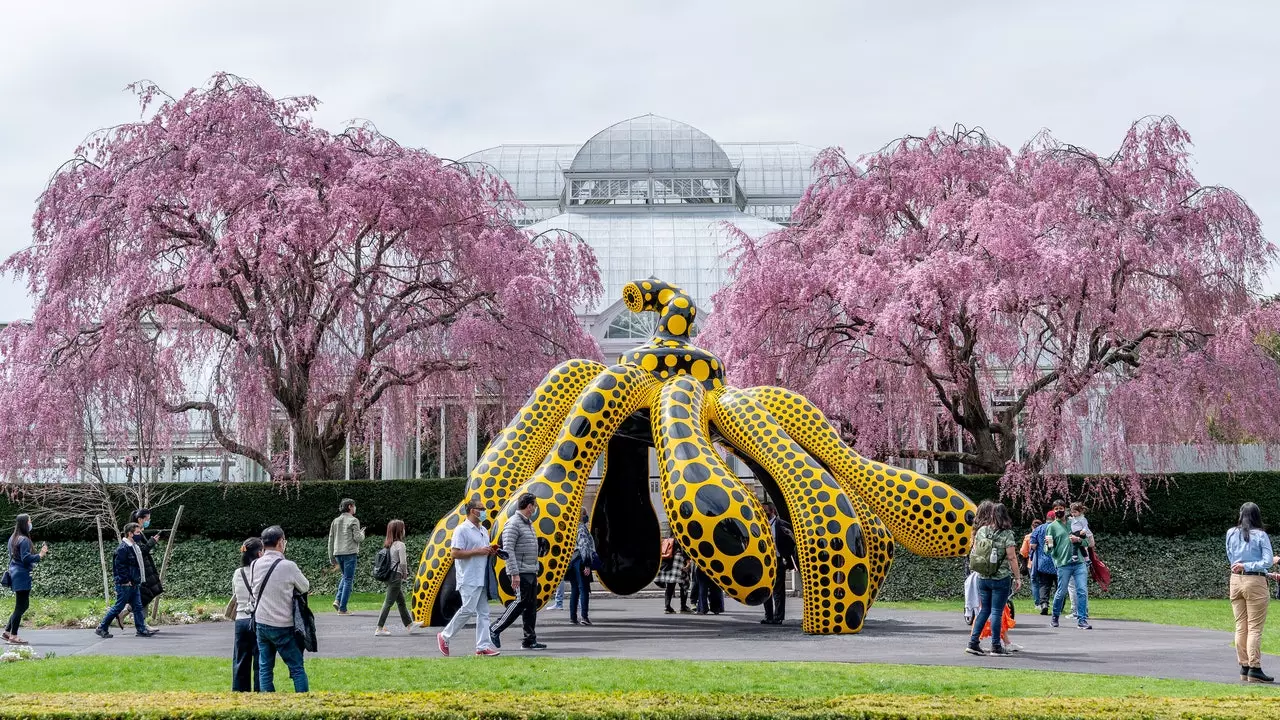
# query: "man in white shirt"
{"points": [[274, 581], [471, 550]]}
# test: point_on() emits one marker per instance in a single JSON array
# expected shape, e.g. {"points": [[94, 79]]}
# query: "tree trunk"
{"points": [[313, 455]]}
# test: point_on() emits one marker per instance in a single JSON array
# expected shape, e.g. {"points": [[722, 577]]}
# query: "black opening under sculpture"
{"points": [[845, 511]]}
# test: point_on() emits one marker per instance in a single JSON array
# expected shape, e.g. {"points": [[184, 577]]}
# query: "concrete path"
{"points": [[636, 628]]}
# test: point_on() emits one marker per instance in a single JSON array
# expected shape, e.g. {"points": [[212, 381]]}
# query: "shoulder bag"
{"points": [[253, 616]]}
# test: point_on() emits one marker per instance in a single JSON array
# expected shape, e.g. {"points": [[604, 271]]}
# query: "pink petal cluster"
{"points": [[233, 262], [1049, 294]]}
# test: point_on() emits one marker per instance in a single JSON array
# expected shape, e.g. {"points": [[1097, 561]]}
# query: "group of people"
{"points": [[1057, 553]]}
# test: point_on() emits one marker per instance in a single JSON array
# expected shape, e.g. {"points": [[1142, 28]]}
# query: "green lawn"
{"points": [[523, 674], [1211, 614]]}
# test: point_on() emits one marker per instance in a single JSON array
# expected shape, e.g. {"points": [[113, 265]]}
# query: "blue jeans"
{"points": [[126, 595], [347, 582], [579, 589], [993, 595], [1077, 573], [278, 639]]}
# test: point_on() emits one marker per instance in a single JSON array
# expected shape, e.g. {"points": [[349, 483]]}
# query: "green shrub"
{"points": [[460, 705], [234, 511]]}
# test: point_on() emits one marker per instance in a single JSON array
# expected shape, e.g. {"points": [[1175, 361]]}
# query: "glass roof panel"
{"points": [[650, 142]]}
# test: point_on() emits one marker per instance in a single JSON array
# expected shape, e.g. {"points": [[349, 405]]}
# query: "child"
{"points": [[1079, 528]]}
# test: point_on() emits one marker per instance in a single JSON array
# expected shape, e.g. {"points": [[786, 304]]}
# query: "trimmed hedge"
{"points": [[234, 511], [467, 705], [1141, 567]]}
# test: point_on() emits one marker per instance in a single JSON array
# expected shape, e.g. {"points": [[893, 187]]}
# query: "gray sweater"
{"points": [[275, 600], [345, 536], [521, 544]]}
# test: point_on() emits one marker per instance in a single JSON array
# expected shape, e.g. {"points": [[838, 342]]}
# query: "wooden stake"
{"points": [[164, 564], [102, 558]]}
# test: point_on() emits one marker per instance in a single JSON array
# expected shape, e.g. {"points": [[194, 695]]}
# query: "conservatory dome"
{"points": [[650, 143]]}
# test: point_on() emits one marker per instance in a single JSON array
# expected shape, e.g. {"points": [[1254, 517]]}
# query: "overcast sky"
{"points": [[460, 77]]}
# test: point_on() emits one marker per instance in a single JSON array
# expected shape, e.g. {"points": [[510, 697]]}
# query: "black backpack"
{"points": [[382, 570]]}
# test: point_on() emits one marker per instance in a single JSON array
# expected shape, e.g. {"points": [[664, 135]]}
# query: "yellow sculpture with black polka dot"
{"points": [[508, 461], [847, 511], [560, 482]]}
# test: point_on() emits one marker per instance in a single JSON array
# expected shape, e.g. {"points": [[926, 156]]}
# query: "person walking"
{"points": [[1028, 559], [129, 573], [1080, 527], [673, 573], [994, 558], [579, 573], [244, 648], [22, 560], [521, 545], [151, 587], [394, 543], [784, 542], [1073, 568], [1250, 555], [275, 580], [471, 550], [345, 536]]}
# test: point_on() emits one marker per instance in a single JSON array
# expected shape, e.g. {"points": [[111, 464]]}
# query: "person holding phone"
{"points": [[22, 560], [151, 586], [470, 550]]}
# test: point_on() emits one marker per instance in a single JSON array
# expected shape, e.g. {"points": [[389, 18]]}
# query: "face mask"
{"points": [[31, 527], [1059, 514], [146, 523]]}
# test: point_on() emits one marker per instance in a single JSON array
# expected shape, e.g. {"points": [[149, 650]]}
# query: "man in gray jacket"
{"points": [[520, 543], [345, 536], [274, 580]]}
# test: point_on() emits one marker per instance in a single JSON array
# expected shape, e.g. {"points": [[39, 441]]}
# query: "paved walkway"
{"points": [[636, 628]]}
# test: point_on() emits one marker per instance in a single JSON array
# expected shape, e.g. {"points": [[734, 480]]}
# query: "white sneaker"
{"points": [[381, 632], [414, 627]]}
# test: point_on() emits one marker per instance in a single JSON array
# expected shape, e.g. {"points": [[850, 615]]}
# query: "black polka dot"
{"points": [[568, 450], [686, 510], [579, 427], [541, 489], [686, 451], [748, 571], [853, 538], [730, 536], [547, 526], [696, 473], [593, 402], [711, 500], [858, 580]]}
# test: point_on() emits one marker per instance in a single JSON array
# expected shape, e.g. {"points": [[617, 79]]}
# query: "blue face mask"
{"points": [[146, 523]]}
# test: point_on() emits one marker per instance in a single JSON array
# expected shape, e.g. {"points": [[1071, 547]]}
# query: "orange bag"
{"points": [[668, 548]]}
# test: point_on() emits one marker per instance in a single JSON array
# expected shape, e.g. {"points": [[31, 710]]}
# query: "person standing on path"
{"points": [[1250, 556], [784, 542], [521, 545], [275, 580], [244, 649], [471, 550], [1073, 569], [1080, 527], [22, 560], [579, 573], [345, 536], [394, 543], [995, 559], [129, 573]]}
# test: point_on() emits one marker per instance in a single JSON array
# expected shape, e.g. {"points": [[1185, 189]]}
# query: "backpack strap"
{"points": [[261, 586]]}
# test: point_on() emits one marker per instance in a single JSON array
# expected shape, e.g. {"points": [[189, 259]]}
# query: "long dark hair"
{"points": [[1000, 519], [251, 550], [395, 533], [1250, 519], [21, 529]]}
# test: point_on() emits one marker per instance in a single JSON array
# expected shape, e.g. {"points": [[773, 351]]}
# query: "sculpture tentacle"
{"points": [[718, 522], [509, 460], [560, 481], [829, 535], [928, 517]]}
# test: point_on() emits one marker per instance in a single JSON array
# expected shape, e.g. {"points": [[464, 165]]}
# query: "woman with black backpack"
{"points": [[393, 557], [994, 558], [22, 560]]}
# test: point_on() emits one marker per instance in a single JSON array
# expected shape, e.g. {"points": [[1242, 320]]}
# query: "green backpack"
{"points": [[984, 558]]}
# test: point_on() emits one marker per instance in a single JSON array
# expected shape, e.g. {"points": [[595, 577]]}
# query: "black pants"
{"points": [[19, 608], [244, 658], [684, 595], [775, 606], [525, 605]]}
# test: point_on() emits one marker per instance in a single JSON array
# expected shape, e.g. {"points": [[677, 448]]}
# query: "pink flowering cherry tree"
{"points": [[1036, 300], [233, 262]]}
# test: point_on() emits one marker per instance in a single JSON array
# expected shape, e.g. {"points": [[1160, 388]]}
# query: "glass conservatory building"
{"points": [[653, 196]]}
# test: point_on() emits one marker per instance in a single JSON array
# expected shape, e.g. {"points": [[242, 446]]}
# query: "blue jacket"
{"points": [[124, 566], [1043, 560], [21, 562]]}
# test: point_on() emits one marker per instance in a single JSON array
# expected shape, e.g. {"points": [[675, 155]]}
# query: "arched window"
{"points": [[633, 326]]}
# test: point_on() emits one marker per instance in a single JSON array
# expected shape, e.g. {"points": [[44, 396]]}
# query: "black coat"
{"points": [[151, 587], [124, 566], [786, 542]]}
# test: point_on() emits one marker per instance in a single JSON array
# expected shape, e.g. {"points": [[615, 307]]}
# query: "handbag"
{"points": [[232, 608], [304, 623], [668, 548], [6, 579], [596, 562]]}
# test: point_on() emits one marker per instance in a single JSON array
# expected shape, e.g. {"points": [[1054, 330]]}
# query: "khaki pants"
{"points": [[1249, 600]]}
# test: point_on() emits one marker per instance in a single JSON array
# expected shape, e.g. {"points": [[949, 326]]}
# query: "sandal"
{"points": [[15, 640]]}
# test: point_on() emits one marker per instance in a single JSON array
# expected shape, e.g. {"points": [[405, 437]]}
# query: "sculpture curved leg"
{"points": [[560, 481], [626, 530], [509, 460], [717, 521], [830, 543], [928, 517]]}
